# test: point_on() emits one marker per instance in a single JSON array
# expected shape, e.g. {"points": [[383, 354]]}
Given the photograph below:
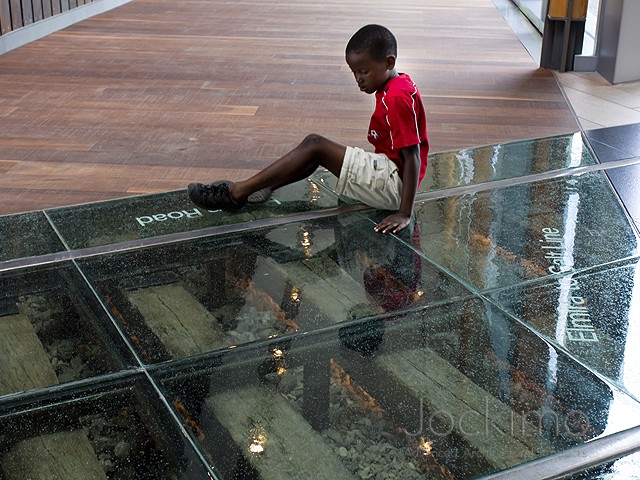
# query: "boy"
{"points": [[387, 179]]}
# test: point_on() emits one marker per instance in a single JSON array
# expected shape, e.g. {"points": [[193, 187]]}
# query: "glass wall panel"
{"points": [[590, 44], [535, 11]]}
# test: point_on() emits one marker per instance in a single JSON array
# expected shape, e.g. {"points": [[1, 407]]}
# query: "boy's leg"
{"points": [[299, 163], [314, 151]]}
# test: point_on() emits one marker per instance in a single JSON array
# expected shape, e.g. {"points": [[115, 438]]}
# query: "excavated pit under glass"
{"points": [[497, 335]]}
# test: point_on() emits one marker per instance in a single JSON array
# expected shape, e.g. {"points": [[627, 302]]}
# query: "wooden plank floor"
{"points": [[155, 94]]}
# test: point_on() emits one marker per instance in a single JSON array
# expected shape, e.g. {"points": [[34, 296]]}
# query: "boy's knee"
{"points": [[313, 140]]}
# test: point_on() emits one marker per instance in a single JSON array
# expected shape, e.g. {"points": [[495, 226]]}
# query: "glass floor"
{"points": [[496, 337]]}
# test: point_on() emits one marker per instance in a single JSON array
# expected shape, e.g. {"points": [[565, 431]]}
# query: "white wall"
{"points": [[619, 43], [628, 63]]}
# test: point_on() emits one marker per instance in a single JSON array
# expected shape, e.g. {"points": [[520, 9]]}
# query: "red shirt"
{"points": [[399, 121]]}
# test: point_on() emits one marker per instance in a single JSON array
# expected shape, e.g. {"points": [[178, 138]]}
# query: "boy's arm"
{"points": [[396, 222]]}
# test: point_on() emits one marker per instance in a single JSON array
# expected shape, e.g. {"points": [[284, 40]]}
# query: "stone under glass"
{"points": [[189, 298], [53, 330], [147, 216], [594, 314], [452, 391], [117, 430], [27, 235], [501, 237]]}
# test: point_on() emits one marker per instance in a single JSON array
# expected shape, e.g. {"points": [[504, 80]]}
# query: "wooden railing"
{"points": [[15, 14]]}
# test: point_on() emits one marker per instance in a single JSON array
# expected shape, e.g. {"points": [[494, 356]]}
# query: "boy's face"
{"points": [[370, 74]]}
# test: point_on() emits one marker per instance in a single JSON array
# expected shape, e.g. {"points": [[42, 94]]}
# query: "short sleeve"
{"points": [[402, 117]]}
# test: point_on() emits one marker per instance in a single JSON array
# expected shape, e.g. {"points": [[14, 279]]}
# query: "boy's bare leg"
{"points": [[314, 151]]}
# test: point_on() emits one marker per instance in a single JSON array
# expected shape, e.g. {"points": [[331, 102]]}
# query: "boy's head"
{"points": [[371, 55], [375, 40]]}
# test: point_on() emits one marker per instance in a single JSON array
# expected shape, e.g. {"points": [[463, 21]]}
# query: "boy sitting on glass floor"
{"points": [[387, 179]]}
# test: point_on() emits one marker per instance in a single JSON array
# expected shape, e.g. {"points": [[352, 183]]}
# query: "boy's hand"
{"points": [[393, 223], [396, 222]]}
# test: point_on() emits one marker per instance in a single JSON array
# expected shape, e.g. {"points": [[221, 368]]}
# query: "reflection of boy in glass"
{"points": [[392, 282], [387, 179], [391, 274]]}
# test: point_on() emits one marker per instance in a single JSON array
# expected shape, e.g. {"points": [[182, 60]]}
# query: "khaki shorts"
{"points": [[370, 178]]}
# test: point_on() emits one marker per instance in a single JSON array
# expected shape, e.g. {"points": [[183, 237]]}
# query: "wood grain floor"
{"points": [[155, 94]]}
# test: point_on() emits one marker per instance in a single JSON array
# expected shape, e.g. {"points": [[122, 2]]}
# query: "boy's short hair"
{"points": [[376, 40]]}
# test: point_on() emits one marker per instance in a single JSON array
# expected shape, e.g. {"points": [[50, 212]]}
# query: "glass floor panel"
{"points": [[53, 330], [147, 216], [593, 314], [27, 235], [453, 391], [113, 430], [625, 468], [474, 166], [192, 297], [500, 237], [145, 338]]}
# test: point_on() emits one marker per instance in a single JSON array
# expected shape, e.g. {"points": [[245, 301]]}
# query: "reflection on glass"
{"points": [[27, 235], [535, 11], [591, 28], [453, 391], [188, 298], [495, 238], [319, 348], [148, 216], [625, 468], [120, 433], [52, 331], [473, 166], [596, 315]]}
